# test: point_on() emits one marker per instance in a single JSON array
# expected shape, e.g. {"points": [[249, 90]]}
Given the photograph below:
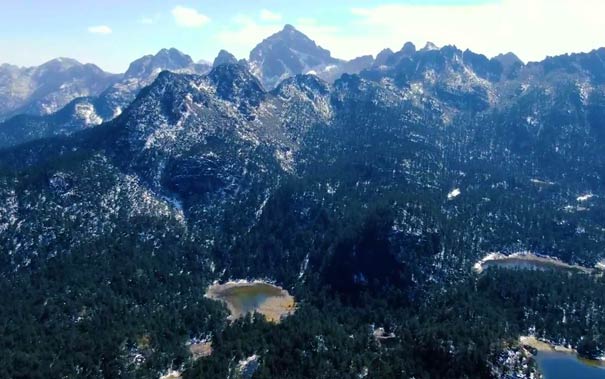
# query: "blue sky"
{"points": [[112, 33]]}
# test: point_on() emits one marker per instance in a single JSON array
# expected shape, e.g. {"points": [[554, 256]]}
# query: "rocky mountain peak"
{"points": [[408, 49], [287, 53], [234, 83], [294, 39], [309, 84], [430, 47], [224, 57], [510, 64], [508, 59], [60, 64], [383, 56], [165, 59], [289, 28]]}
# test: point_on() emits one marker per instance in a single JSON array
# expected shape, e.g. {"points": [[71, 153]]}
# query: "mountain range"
{"points": [[103, 100], [368, 188], [45, 89]]}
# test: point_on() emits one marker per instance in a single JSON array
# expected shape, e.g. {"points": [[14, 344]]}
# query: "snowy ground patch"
{"points": [[453, 194], [87, 113], [584, 197], [247, 367]]}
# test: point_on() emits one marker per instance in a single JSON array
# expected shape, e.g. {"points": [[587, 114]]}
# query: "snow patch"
{"points": [[330, 67], [542, 182], [454, 194], [171, 374], [87, 113], [303, 267], [285, 159], [585, 89], [330, 190], [117, 111], [248, 366], [259, 211], [531, 121], [584, 197]]}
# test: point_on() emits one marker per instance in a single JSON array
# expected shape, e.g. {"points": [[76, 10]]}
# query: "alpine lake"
{"points": [[244, 297]]}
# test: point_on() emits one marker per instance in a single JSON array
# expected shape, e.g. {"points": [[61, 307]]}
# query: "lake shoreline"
{"points": [[541, 345], [557, 361], [546, 346], [270, 300], [531, 259]]}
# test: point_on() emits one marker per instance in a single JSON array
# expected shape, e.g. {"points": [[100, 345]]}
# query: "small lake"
{"points": [[524, 264], [555, 365], [248, 297], [527, 261]]}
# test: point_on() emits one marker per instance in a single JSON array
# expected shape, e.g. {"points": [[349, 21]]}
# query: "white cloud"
{"points": [[267, 15], [189, 17], [241, 37], [100, 29], [531, 29]]}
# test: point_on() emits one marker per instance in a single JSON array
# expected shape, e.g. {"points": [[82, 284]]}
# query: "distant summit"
{"points": [[382, 57], [409, 49], [165, 59], [508, 59], [287, 53], [224, 57], [510, 63], [290, 52], [430, 47]]}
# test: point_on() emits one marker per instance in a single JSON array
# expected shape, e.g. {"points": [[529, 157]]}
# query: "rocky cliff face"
{"points": [[285, 54]]}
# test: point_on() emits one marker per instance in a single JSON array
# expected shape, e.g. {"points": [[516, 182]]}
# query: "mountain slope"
{"points": [[369, 198], [436, 113]]}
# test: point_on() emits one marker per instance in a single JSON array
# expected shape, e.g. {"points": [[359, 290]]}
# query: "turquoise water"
{"points": [[567, 366], [251, 303]]}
